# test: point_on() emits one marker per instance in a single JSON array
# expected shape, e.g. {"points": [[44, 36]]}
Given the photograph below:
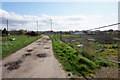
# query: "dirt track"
{"points": [[34, 61]]}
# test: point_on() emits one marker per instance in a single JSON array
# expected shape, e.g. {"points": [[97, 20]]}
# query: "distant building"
{"points": [[78, 33]]}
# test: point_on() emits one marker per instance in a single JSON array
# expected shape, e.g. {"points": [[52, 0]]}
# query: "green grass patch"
{"points": [[103, 63], [68, 36], [21, 41], [76, 61], [71, 60], [71, 36]]}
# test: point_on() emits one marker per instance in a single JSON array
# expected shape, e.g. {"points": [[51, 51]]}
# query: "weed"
{"points": [[102, 63], [69, 74]]}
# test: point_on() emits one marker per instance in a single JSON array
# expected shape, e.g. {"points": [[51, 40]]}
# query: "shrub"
{"points": [[32, 33], [22, 31], [4, 32], [69, 74]]}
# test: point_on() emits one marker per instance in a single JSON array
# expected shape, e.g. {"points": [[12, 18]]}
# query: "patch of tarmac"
{"points": [[34, 47], [45, 42], [27, 54], [29, 50], [16, 64], [38, 44], [41, 55], [47, 47], [13, 65], [38, 41], [48, 39]]}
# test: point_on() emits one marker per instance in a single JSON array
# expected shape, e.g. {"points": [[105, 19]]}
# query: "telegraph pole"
{"points": [[7, 29], [51, 24], [37, 27]]}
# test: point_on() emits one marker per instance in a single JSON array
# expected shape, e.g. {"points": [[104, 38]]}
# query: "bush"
{"points": [[32, 33], [22, 31], [4, 32], [69, 74]]}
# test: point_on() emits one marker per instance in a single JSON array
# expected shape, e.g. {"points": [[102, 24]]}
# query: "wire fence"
{"points": [[104, 45]]}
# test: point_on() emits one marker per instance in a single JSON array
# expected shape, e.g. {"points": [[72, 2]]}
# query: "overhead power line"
{"points": [[104, 26]]}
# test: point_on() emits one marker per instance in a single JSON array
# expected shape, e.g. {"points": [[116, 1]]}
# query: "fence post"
{"points": [[60, 35], [70, 38], [104, 42]]}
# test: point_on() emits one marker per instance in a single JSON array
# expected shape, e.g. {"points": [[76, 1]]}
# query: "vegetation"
{"points": [[69, 74], [22, 32], [71, 36], [32, 33], [20, 41], [4, 32], [73, 60], [95, 49]]}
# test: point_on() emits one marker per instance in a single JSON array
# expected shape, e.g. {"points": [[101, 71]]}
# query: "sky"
{"points": [[65, 15]]}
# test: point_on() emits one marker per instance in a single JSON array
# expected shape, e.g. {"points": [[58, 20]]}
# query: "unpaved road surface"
{"points": [[34, 61]]}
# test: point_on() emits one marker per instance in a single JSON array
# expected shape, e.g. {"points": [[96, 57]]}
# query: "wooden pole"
{"points": [[7, 29], [37, 27]]}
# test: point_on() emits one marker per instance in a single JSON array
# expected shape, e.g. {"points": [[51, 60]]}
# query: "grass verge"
{"points": [[72, 60], [21, 41]]}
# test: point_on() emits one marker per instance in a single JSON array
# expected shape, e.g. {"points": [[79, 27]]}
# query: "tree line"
{"points": [[19, 32]]}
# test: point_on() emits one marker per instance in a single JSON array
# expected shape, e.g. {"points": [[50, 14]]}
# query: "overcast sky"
{"points": [[65, 15]]}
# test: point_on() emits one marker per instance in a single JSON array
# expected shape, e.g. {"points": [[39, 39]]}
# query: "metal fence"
{"points": [[104, 45]]}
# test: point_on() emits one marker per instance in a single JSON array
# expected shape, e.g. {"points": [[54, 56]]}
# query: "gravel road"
{"points": [[34, 61]]}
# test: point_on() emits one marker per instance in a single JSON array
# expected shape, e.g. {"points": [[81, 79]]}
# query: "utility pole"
{"points": [[51, 24], [37, 27], [7, 29]]}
